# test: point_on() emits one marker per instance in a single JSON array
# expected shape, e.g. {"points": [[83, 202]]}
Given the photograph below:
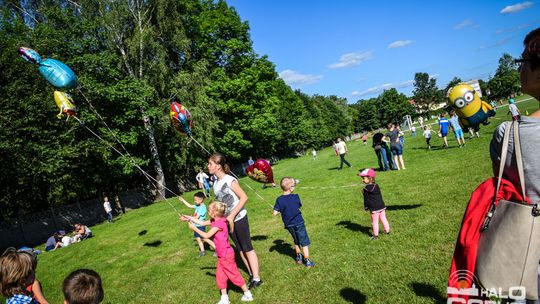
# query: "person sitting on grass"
{"points": [[17, 276], [289, 206], [82, 232], [83, 286], [226, 264], [373, 202], [200, 213]]}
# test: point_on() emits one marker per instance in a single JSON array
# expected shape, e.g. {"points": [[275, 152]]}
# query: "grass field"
{"points": [[148, 256]]}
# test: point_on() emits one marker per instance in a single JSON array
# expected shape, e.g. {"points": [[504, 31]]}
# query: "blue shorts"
{"points": [[196, 235], [443, 134], [299, 235], [397, 149], [458, 133]]}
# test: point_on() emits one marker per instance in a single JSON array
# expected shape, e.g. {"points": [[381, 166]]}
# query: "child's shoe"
{"points": [[299, 259], [247, 297], [202, 253], [374, 238], [309, 263], [255, 283], [224, 300]]}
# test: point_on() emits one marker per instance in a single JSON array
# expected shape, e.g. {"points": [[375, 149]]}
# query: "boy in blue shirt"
{"points": [[289, 205], [443, 129], [200, 214]]}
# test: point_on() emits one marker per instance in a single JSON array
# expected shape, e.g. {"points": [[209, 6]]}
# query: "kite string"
{"points": [[132, 160]]}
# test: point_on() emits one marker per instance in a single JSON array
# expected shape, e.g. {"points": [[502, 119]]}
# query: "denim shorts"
{"points": [[299, 234], [458, 133], [397, 149], [196, 235]]}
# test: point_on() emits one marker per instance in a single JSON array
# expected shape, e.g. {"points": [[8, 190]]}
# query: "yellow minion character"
{"points": [[472, 111]]}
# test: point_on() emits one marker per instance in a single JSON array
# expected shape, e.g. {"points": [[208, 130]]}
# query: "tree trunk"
{"points": [[160, 177]]}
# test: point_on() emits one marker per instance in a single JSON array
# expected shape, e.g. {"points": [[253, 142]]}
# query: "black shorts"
{"points": [[241, 236]]}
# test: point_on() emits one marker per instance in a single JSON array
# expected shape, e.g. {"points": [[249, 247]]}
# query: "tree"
{"points": [[506, 81], [425, 91], [393, 106], [368, 117]]}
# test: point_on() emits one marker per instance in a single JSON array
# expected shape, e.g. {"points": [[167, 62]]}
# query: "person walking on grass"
{"points": [[443, 129], [427, 135], [458, 132], [200, 214], [288, 205], [512, 108], [341, 149], [373, 202], [228, 190], [393, 136], [226, 265]]}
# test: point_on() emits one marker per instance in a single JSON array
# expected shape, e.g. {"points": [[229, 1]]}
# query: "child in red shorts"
{"points": [[226, 265]]}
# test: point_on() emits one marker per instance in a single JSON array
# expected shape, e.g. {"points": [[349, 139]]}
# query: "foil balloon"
{"points": [[261, 171], [180, 118], [472, 111], [65, 103], [55, 72], [29, 55]]}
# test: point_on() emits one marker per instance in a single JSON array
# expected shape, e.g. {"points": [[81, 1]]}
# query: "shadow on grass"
{"points": [[355, 227], [428, 291], [284, 248], [208, 273], [153, 244], [334, 168], [403, 207], [352, 295], [435, 148], [259, 237], [143, 232]]}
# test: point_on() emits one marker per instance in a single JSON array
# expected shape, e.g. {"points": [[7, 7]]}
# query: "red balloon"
{"points": [[261, 171]]}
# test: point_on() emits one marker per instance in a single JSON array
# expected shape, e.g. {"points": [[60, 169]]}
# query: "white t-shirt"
{"points": [[107, 206], [314, 152], [413, 129], [66, 240], [225, 194], [201, 176], [340, 147], [514, 109], [427, 133]]}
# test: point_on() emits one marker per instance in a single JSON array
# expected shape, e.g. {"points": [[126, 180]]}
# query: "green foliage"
{"points": [[506, 82], [425, 91], [130, 58], [393, 107]]}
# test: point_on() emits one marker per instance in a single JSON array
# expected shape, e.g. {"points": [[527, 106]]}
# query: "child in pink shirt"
{"points": [[226, 265]]}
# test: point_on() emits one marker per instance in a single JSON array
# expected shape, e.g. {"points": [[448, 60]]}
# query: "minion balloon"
{"points": [[472, 111]]}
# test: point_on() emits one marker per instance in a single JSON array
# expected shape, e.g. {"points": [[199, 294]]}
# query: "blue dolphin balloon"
{"points": [[55, 72], [58, 74]]}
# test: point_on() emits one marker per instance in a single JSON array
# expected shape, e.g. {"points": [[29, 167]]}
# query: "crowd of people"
{"points": [[228, 216]]}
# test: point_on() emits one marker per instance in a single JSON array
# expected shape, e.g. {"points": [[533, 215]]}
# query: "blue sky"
{"points": [[356, 49]]}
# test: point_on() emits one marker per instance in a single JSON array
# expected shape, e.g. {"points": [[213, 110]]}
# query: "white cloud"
{"points": [[516, 28], [351, 59], [495, 44], [516, 7], [382, 87], [465, 23], [399, 43], [294, 78]]}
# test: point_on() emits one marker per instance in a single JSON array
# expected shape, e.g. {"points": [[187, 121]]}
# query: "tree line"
{"points": [[131, 57]]}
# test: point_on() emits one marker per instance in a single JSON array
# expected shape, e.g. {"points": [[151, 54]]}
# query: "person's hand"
{"points": [[191, 226], [230, 219], [186, 218]]}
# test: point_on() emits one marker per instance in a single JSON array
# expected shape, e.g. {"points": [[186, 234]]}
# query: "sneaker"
{"points": [[202, 253], [374, 238], [224, 301], [254, 284], [299, 259], [247, 298], [309, 263]]}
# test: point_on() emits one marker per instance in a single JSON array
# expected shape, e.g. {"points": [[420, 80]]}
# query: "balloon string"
{"points": [[132, 160], [198, 143]]}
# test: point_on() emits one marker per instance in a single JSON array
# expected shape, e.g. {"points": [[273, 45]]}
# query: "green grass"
{"points": [[147, 256]]}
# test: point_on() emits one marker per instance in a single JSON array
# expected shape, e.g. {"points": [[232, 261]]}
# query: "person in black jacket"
{"points": [[373, 202]]}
